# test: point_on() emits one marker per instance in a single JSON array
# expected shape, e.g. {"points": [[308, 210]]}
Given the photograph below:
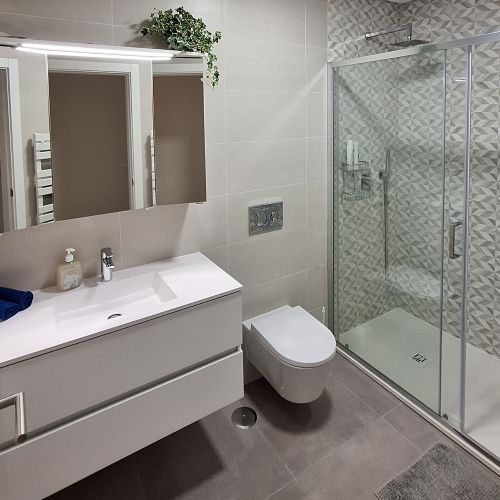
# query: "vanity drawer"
{"points": [[62, 456], [64, 383]]}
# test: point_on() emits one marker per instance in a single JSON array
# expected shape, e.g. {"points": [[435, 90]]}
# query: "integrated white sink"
{"points": [[98, 302], [57, 319]]}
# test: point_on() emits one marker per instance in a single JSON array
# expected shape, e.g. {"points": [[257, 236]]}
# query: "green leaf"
{"points": [[182, 31]]}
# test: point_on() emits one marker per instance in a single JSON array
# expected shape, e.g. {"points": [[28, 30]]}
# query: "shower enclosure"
{"points": [[415, 238]]}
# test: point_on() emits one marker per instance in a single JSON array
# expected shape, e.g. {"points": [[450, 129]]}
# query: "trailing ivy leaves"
{"points": [[182, 31]]}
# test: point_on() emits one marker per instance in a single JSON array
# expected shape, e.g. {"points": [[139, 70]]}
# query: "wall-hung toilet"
{"points": [[292, 350]]}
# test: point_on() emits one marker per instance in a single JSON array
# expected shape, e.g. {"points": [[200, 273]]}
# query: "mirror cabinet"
{"points": [[88, 130]]}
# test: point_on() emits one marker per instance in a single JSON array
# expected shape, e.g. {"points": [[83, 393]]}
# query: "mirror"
{"points": [[88, 130], [179, 133]]}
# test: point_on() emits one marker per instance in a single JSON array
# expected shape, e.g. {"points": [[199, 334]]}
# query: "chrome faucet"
{"points": [[107, 264]]}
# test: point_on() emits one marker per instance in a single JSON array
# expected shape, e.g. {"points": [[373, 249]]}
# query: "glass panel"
{"points": [[389, 217], [455, 137], [482, 366]]}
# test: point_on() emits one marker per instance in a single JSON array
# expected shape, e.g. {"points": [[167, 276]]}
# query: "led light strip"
{"points": [[101, 53]]}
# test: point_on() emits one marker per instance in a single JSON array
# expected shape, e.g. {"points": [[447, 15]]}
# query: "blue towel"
{"points": [[22, 299], [8, 309]]}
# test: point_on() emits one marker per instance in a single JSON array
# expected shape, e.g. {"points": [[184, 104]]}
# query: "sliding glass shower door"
{"points": [[389, 203], [416, 239]]}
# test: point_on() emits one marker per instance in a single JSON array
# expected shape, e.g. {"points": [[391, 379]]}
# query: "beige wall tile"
{"points": [[168, 231], [29, 257], [316, 244], [259, 165], [55, 29], [280, 21], [215, 116], [316, 202], [251, 65], [257, 116], [316, 114], [316, 288], [215, 165], [263, 259], [316, 24], [316, 159], [294, 210], [290, 290], [218, 255], [316, 67], [93, 11], [133, 12]]}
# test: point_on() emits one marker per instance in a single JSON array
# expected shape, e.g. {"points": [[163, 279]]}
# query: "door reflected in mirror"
{"points": [[89, 138], [179, 138]]}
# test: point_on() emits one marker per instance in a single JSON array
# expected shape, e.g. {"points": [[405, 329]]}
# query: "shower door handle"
{"points": [[451, 244]]}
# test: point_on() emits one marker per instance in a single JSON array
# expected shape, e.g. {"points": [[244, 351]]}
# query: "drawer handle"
{"points": [[17, 401]]}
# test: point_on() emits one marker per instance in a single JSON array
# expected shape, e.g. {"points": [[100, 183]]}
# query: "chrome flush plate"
{"points": [[265, 217]]}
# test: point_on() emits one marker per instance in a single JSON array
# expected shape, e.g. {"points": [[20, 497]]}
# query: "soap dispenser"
{"points": [[69, 274]]}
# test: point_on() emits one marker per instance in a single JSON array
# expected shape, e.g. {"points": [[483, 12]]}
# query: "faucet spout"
{"points": [[107, 264]]}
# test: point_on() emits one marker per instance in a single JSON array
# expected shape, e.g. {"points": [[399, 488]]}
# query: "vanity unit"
{"points": [[109, 368]]}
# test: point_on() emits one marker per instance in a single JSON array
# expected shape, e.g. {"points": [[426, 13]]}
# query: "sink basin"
{"points": [[134, 295], [104, 303]]}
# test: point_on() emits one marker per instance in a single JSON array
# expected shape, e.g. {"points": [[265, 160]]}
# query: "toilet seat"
{"points": [[295, 337]]}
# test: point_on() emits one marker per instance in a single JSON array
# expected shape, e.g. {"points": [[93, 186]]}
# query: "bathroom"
{"points": [[338, 336]]}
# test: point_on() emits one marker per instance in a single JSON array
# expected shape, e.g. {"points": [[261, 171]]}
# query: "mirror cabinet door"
{"points": [[81, 137]]}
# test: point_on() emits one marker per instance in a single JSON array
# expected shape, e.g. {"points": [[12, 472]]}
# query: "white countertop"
{"points": [[58, 319]]}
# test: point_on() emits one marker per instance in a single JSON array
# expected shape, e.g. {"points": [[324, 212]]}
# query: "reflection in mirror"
{"points": [[79, 135], [12, 185], [179, 135], [89, 139], [4, 171]]}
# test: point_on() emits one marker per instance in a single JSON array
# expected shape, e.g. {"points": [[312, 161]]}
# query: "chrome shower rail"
{"points": [[420, 49]]}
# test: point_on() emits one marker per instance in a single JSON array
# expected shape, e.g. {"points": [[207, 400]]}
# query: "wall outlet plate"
{"points": [[265, 218]]}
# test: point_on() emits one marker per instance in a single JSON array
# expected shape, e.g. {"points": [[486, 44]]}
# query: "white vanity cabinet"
{"points": [[93, 402]]}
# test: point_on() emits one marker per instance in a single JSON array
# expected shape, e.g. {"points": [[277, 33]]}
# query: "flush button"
{"points": [[263, 218]]}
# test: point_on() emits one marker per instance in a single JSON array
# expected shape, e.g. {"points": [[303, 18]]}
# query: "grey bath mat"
{"points": [[442, 474]]}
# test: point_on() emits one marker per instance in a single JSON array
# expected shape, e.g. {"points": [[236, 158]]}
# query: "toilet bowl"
{"points": [[292, 350]]}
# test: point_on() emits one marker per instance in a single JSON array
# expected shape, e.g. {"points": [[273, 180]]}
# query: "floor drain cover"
{"points": [[244, 417]]}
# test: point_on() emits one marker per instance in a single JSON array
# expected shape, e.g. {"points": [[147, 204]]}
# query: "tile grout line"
{"points": [[280, 489], [389, 411], [405, 437], [278, 454], [361, 399]]}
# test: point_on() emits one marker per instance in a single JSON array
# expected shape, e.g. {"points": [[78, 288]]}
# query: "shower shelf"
{"points": [[357, 176], [356, 195], [356, 167]]}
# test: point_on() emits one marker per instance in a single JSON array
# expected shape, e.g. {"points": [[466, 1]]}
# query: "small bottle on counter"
{"points": [[69, 274]]}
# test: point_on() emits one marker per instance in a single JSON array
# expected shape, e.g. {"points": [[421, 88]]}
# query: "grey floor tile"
{"points": [[304, 433], [414, 427], [369, 391], [291, 491], [119, 481], [211, 459], [357, 468]]}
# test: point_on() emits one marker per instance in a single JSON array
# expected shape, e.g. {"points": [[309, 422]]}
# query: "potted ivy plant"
{"points": [[180, 30]]}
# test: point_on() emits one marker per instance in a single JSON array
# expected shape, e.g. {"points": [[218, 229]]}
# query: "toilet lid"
{"points": [[296, 337]]}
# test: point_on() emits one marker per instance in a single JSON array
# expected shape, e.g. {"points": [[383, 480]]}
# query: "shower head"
{"points": [[408, 43]]}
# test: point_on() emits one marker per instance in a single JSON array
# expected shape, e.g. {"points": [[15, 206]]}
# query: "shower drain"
{"points": [[420, 359]]}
